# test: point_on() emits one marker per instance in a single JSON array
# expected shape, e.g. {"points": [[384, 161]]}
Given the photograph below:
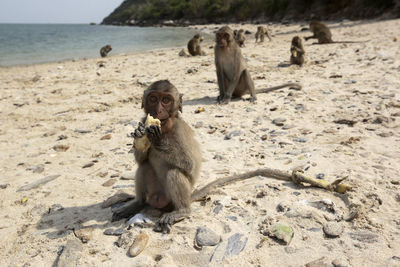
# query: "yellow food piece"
{"points": [[143, 143]]}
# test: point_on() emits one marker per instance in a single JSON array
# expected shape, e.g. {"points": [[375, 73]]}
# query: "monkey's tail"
{"points": [[295, 86], [200, 193]]}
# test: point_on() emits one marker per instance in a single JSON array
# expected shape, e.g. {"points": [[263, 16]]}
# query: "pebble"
{"points": [[4, 186], [218, 208], [84, 234], [109, 182], [279, 121], [71, 254], [364, 236], [82, 131], [231, 134], [114, 231], [264, 137], [339, 263], [128, 176], [125, 239], [139, 219], [233, 246], [320, 176], [199, 124], [87, 165], [206, 237], [321, 262], [106, 137], [38, 169], [333, 229], [283, 206], [61, 148], [139, 244], [62, 137], [300, 140], [282, 232]]}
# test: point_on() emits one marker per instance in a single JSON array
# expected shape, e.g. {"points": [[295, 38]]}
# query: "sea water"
{"points": [[39, 43]]}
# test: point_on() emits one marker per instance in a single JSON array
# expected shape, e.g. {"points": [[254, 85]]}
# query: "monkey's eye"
{"points": [[166, 100], [153, 99]]}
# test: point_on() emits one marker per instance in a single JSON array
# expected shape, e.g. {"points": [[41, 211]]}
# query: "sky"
{"points": [[56, 11]]}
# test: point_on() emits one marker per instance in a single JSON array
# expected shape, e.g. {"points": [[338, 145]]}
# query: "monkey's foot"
{"points": [[166, 221], [253, 99]]}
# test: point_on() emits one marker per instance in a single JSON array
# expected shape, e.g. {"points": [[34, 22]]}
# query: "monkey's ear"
{"points": [[180, 102]]}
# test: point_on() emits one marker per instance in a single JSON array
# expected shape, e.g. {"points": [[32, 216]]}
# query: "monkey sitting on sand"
{"points": [[105, 50], [297, 53], [168, 170], [194, 46]]}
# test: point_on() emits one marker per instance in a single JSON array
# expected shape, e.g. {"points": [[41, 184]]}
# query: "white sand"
{"points": [[80, 95]]}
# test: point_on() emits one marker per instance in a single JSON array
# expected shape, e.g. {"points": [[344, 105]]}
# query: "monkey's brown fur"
{"points": [[297, 53], [240, 37], [261, 33], [168, 170], [194, 45], [233, 76], [321, 32], [105, 50]]}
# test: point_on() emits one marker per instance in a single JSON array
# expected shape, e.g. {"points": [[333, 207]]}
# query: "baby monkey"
{"points": [[297, 53]]}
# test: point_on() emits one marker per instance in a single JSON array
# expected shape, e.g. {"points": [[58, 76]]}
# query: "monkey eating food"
{"points": [[105, 50], [297, 53], [169, 167], [234, 79]]}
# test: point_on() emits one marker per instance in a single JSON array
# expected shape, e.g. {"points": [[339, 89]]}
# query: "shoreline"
{"points": [[73, 119]]}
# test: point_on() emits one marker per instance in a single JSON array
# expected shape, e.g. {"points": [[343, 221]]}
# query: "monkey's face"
{"points": [[223, 39], [160, 105]]}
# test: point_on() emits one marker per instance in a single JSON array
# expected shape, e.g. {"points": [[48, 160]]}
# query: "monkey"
{"points": [[105, 50], [261, 32], [194, 45], [240, 38], [168, 170], [297, 52], [323, 34], [233, 77]]}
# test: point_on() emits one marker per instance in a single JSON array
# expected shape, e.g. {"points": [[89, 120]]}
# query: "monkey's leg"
{"points": [[143, 171], [221, 84], [178, 187]]}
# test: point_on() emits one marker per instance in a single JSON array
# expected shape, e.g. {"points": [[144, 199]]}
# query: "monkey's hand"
{"points": [[154, 133], [139, 132]]}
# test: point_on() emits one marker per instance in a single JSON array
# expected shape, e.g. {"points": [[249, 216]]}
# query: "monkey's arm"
{"points": [[310, 37], [297, 49]]}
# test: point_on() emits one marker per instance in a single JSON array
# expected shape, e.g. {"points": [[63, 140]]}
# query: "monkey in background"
{"points": [[324, 35], [260, 34], [105, 50], [239, 37], [168, 170], [321, 32], [297, 53], [194, 46], [234, 79]]}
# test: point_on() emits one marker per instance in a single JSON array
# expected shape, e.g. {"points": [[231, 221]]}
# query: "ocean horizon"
{"points": [[26, 44]]}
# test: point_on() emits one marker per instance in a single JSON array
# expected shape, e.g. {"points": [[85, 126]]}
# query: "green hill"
{"points": [[183, 12]]}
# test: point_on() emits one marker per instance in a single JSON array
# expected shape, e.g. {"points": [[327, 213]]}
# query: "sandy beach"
{"points": [[69, 122]]}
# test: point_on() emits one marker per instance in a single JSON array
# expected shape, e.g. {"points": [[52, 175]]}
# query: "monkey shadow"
{"points": [[59, 221], [284, 65]]}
